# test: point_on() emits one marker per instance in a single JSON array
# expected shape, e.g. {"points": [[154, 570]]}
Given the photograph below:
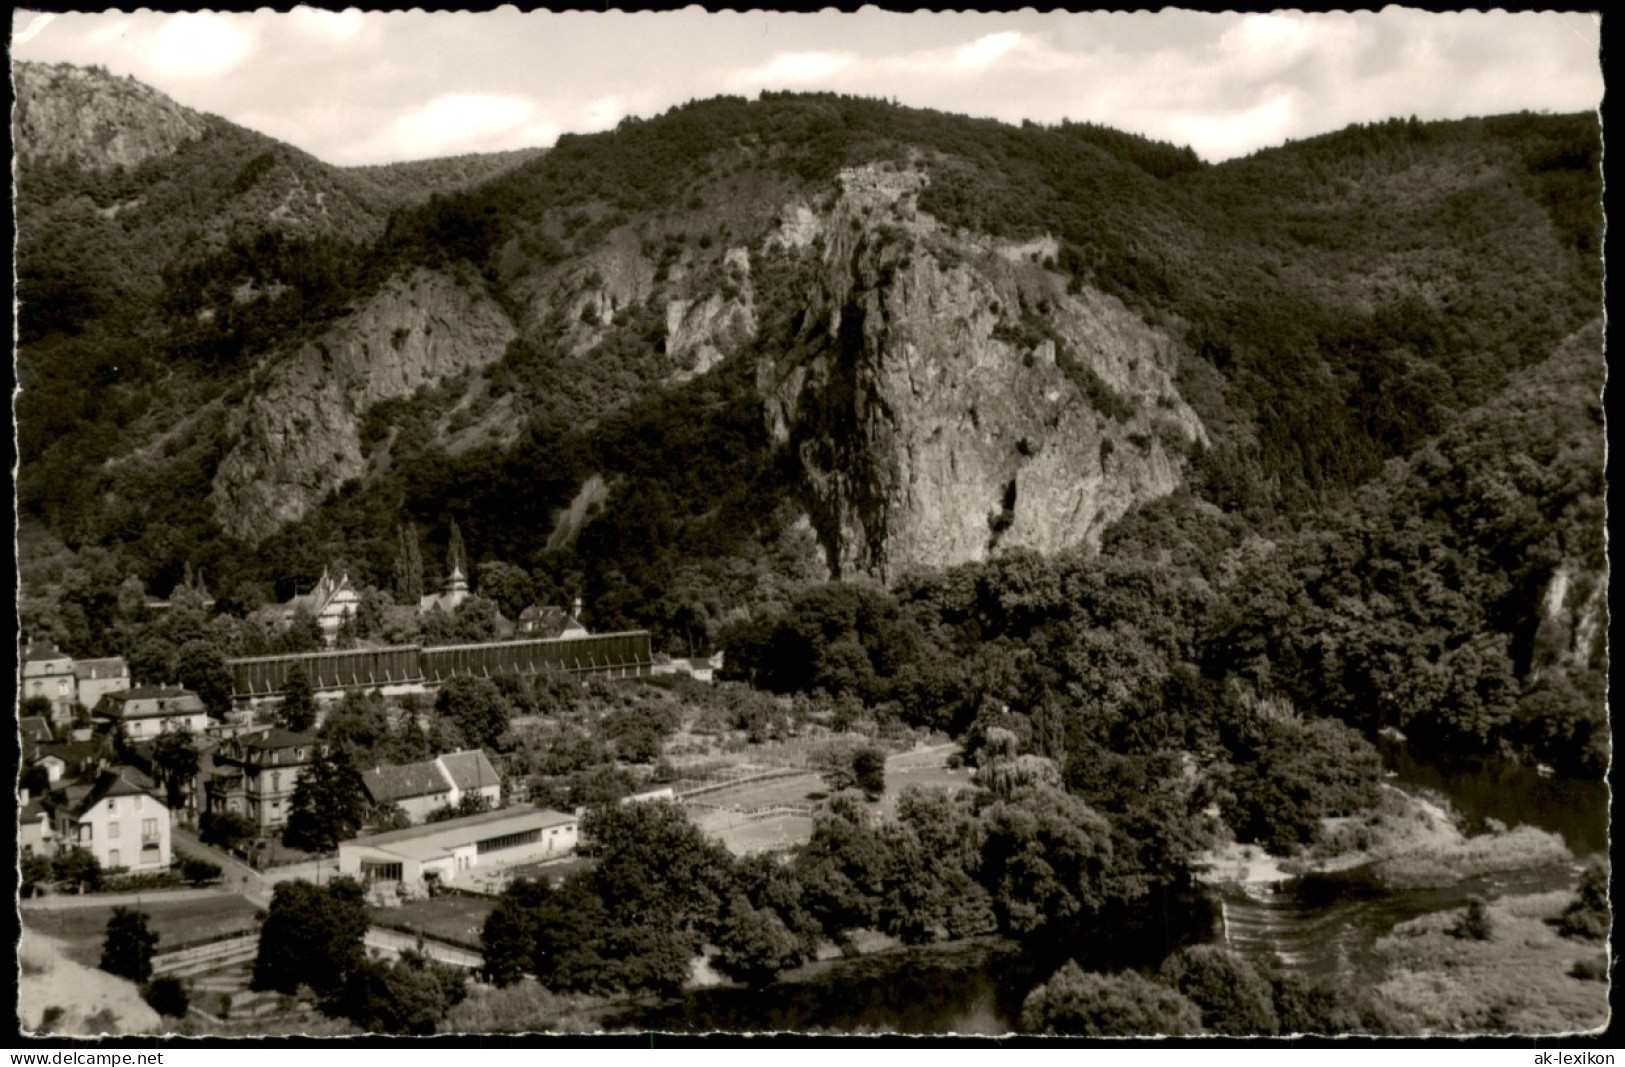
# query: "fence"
{"points": [[208, 953]]}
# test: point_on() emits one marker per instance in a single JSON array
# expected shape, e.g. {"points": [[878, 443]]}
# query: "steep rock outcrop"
{"points": [[1573, 623], [297, 437], [700, 332], [89, 118], [947, 397]]}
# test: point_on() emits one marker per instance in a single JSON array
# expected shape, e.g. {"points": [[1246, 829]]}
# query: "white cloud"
{"points": [[337, 27], [987, 50], [198, 45], [1260, 41], [34, 25], [800, 69], [454, 123]]}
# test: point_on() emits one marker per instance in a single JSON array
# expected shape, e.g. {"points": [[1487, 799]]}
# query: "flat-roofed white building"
{"points": [[444, 850]]}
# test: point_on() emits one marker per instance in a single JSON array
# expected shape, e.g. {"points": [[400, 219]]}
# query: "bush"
{"points": [[1232, 996], [1587, 918], [226, 829], [167, 996], [1077, 1003], [1594, 969], [1474, 924], [129, 946], [197, 870]]}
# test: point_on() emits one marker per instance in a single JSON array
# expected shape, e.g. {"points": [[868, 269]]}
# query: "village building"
{"points": [[332, 603], [415, 788], [149, 710], [48, 674], [450, 597], [125, 825], [445, 851], [97, 678], [472, 774], [34, 730], [34, 834], [551, 621], [191, 792], [255, 774], [66, 760], [421, 788]]}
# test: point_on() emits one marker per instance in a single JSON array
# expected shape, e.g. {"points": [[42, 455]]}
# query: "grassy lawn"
{"points": [[1516, 981], [456, 918], [773, 834], [175, 922], [794, 789]]}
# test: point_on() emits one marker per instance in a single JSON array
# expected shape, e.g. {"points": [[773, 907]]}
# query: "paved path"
{"points": [[235, 875]]}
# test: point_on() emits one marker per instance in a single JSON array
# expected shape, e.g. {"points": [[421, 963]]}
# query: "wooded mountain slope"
{"points": [[684, 366]]}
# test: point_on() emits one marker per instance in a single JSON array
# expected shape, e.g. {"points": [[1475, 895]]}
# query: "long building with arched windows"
{"points": [[400, 669]]}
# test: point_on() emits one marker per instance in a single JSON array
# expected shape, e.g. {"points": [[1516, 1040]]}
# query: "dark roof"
{"points": [[75, 754], [152, 692], [403, 781], [112, 667], [278, 737], [549, 621], [34, 728], [42, 653], [111, 783], [470, 769]]}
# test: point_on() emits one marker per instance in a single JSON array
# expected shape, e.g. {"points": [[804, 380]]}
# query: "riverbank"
{"points": [[1522, 978], [1409, 841]]}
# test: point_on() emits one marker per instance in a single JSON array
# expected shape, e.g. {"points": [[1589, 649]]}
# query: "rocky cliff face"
{"points": [[297, 437], [947, 397], [1573, 622], [91, 119], [701, 331]]}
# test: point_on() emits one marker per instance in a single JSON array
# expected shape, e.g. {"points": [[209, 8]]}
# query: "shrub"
{"points": [[1078, 1003], [197, 870], [1474, 924], [1594, 969], [130, 943], [1588, 916], [167, 996], [1232, 996]]}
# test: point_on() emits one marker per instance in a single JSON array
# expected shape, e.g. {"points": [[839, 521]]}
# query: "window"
{"points": [[112, 831], [149, 831], [112, 858], [87, 833]]}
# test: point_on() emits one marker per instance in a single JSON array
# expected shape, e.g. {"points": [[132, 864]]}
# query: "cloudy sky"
{"points": [[370, 88]]}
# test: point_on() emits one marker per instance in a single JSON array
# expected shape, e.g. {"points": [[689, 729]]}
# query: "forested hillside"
{"points": [[1328, 413]]}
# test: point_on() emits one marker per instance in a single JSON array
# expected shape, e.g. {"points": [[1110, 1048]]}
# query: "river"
{"points": [[1321, 925], [1317, 926]]}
